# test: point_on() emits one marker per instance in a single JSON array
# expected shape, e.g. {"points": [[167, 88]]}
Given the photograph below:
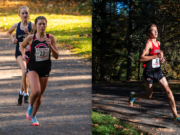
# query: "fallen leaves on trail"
{"points": [[125, 129], [137, 105], [118, 126], [157, 120], [134, 120], [95, 125], [95, 99], [111, 102], [99, 95], [166, 129]]}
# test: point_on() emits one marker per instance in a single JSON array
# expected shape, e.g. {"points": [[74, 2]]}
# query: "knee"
{"points": [[169, 94], [39, 98], [36, 92]]}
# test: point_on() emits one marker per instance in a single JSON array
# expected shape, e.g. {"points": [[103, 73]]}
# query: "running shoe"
{"points": [[20, 99], [26, 99], [35, 121], [177, 120], [131, 99], [29, 113]]}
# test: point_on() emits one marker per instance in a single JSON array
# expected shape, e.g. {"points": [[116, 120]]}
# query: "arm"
{"points": [[24, 44], [162, 59], [32, 29], [10, 31], [144, 56], [52, 45]]}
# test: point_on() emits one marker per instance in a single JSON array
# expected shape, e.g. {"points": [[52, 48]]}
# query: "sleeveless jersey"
{"points": [[20, 36], [39, 55], [154, 63]]}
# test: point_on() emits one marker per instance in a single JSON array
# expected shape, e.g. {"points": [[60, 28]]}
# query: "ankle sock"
{"points": [[21, 93], [26, 94]]}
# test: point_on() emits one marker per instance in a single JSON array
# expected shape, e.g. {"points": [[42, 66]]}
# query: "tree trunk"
{"points": [[102, 57], [129, 57]]}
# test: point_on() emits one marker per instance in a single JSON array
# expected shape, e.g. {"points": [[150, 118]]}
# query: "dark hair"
{"points": [[148, 28], [39, 18]]}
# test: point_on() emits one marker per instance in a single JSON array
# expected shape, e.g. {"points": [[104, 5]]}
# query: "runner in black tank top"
{"points": [[152, 56], [38, 64], [39, 58], [22, 28]]}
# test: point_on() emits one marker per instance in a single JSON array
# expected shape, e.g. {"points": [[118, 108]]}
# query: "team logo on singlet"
{"points": [[148, 79], [41, 52], [156, 51], [21, 35]]}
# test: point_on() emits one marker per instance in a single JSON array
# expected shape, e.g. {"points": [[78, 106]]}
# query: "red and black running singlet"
{"points": [[154, 63], [39, 54]]}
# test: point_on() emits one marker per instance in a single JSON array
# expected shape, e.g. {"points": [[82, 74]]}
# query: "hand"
{"points": [[160, 54], [48, 41], [162, 60], [26, 30], [15, 41], [25, 57]]}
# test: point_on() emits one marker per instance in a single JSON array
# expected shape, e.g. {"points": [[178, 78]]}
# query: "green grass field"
{"points": [[107, 125], [72, 32]]}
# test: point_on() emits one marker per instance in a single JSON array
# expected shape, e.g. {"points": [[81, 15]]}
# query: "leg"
{"points": [[149, 91], [22, 64], [43, 83], [165, 87], [35, 86]]}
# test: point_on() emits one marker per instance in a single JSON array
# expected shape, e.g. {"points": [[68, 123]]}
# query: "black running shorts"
{"points": [[153, 76], [41, 73]]}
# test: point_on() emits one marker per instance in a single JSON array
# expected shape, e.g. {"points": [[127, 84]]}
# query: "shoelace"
{"points": [[34, 119]]}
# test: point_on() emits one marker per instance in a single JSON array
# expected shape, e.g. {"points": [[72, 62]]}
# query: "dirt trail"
{"points": [[66, 104]]}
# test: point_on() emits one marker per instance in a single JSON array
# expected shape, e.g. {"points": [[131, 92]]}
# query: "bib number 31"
{"points": [[42, 54], [155, 63]]}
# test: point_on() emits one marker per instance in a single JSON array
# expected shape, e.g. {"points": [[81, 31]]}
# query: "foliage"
{"points": [[71, 31], [116, 37]]}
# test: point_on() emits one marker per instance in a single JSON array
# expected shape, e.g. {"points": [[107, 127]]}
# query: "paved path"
{"points": [[66, 103], [151, 115]]}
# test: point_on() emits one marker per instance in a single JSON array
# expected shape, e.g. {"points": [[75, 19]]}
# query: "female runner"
{"points": [[38, 64], [23, 29]]}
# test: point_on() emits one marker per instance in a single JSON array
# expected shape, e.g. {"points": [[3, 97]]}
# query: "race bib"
{"points": [[42, 54], [155, 63], [27, 48]]}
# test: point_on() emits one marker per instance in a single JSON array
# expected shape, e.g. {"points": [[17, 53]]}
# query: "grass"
{"points": [[107, 125], [72, 32]]}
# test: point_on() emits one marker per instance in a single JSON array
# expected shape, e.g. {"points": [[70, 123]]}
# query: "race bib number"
{"points": [[155, 63], [27, 48], [42, 54]]}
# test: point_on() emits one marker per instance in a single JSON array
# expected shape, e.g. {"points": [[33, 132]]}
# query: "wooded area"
{"points": [[119, 37], [67, 7]]}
